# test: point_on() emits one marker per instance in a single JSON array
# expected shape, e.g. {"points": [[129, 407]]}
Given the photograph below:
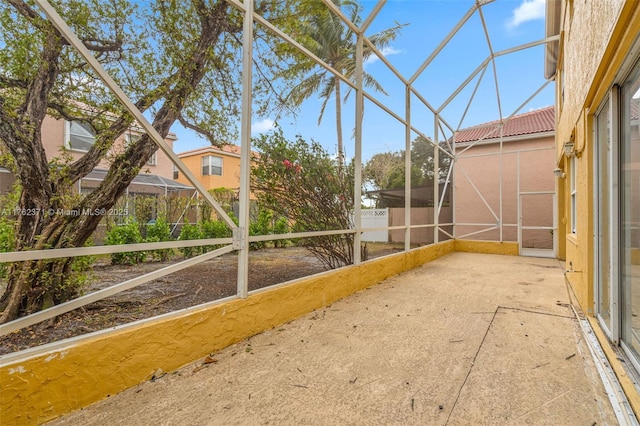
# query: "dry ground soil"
{"points": [[211, 280]]}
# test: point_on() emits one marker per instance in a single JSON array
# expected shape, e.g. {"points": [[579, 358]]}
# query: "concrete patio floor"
{"points": [[466, 339]]}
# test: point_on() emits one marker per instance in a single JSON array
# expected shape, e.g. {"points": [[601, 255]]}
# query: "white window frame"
{"points": [[67, 138], [176, 172], [208, 165]]}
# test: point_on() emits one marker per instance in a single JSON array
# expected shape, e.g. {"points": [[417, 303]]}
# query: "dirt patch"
{"points": [[208, 281]]}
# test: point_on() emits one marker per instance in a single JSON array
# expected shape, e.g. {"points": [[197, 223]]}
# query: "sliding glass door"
{"points": [[630, 212], [603, 225]]}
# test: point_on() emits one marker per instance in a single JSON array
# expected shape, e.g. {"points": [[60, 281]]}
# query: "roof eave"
{"points": [[552, 29], [206, 150], [516, 138]]}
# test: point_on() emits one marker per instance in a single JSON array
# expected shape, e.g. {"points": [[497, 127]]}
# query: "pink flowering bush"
{"points": [[299, 180]]}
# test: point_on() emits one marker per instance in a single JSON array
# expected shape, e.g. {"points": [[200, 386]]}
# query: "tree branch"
{"points": [[97, 45], [126, 166], [90, 160], [32, 16], [207, 134], [12, 82]]}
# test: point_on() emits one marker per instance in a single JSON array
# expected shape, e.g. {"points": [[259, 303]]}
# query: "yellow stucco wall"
{"points": [[230, 168], [487, 247], [38, 388], [595, 39]]}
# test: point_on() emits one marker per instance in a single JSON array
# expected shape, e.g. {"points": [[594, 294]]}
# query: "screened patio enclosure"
{"points": [[412, 109]]}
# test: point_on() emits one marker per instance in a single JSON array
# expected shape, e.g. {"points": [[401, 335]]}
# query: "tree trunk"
{"points": [[32, 285], [339, 125]]}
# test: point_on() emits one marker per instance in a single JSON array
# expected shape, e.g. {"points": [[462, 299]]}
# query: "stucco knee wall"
{"points": [[48, 384], [487, 247]]}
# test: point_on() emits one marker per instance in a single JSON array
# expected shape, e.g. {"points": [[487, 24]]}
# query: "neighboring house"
{"points": [[213, 167], [77, 138], [596, 65], [504, 183]]}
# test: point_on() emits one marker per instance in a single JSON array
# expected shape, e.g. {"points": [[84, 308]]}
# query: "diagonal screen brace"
{"points": [[68, 34]]}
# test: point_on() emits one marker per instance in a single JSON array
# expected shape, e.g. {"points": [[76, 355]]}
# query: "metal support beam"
{"points": [[471, 98], [407, 171], [338, 12], [106, 292], [372, 15], [245, 150], [357, 181], [436, 179], [443, 43], [481, 68]]}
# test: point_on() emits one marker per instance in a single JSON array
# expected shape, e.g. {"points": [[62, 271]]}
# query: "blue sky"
{"points": [[510, 23]]}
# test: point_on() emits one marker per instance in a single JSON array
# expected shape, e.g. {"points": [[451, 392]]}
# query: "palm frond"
{"points": [[325, 95], [382, 39], [369, 81], [333, 41], [305, 88]]}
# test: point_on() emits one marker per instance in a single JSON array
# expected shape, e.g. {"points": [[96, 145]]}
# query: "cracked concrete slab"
{"points": [[466, 339]]}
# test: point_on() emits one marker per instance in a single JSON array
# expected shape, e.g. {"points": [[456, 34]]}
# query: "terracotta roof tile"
{"points": [[538, 121]]}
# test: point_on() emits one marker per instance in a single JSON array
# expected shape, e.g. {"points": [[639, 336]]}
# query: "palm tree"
{"points": [[331, 40]]}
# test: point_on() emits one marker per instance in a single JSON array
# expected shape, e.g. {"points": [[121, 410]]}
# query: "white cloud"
{"points": [[385, 52], [529, 10], [262, 126]]}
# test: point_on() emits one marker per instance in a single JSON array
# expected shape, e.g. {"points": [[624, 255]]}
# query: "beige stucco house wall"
{"points": [[501, 184], [55, 136]]}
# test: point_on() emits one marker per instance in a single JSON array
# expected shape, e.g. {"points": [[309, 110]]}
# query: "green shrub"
{"points": [[214, 229], [82, 274], [261, 226], [159, 231], [190, 232], [281, 227], [202, 230], [127, 233], [7, 241], [265, 224]]}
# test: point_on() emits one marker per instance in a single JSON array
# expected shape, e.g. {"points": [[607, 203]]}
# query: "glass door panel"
{"points": [[604, 157], [630, 213]]}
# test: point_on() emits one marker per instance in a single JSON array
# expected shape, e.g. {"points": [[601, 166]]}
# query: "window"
{"points": [[176, 172], [211, 165], [80, 136], [132, 138], [572, 182]]}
